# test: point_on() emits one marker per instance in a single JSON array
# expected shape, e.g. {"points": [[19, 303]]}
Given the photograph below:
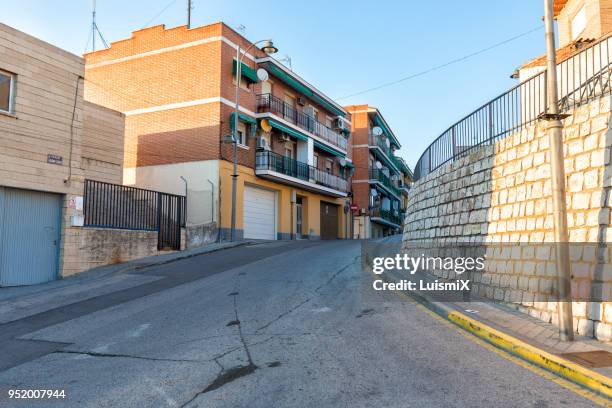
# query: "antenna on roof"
{"points": [[94, 29], [287, 60], [241, 28], [189, 8]]}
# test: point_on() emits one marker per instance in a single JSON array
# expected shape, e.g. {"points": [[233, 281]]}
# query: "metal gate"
{"points": [[109, 205], [170, 213], [30, 223]]}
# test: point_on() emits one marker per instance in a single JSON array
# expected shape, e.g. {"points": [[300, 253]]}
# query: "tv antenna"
{"points": [[287, 61], [95, 31]]}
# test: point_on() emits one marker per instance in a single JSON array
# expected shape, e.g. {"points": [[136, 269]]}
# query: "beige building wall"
{"points": [[50, 117]]}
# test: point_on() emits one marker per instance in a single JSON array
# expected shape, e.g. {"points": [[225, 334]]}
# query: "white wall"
{"points": [[202, 198]]}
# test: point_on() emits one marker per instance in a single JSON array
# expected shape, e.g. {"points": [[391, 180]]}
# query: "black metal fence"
{"points": [[268, 160], [107, 205], [581, 78], [270, 103]]}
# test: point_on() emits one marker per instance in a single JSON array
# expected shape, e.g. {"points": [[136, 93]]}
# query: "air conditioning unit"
{"points": [[301, 100], [262, 143], [340, 124]]}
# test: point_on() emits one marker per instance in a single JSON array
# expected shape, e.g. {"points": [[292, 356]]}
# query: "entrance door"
{"points": [[259, 213], [29, 236], [329, 220], [298, 217]]}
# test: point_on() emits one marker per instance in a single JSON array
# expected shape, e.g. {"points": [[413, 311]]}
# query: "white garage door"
{"points": [[259, 213]]}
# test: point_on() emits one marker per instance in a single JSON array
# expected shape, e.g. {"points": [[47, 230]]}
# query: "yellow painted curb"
{"points": [[564, 368]]}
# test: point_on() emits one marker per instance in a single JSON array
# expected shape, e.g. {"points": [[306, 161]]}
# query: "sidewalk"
{"points": [[585, 361], [22, 301]]}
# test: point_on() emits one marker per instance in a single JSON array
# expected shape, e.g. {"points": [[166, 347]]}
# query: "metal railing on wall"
{"points": [[107, 205], [581, 78]]}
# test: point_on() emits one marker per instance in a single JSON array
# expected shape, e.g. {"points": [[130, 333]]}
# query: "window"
{"points": [[578, 23], [242, 132], [7, 88], [328, 166], [315, 161], [329, 122]]}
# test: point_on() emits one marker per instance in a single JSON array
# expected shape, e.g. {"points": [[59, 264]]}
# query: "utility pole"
{"points": [[188, 13], [93, 26], [566, 329]]}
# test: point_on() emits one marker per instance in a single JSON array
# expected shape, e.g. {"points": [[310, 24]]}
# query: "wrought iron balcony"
{"points": [[390, 217], [275, 166], [382, 178], [272, 104], [379, 142]]}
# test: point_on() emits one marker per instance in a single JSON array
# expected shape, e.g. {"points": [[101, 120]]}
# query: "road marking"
{"points": [[591, 396]]}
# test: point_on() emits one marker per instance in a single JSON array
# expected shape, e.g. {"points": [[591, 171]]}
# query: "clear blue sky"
{"points": [[342, 47]]}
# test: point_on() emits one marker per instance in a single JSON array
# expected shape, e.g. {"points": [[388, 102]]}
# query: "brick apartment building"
{"points": [[51, 140], [380, 180], [177, 89]]}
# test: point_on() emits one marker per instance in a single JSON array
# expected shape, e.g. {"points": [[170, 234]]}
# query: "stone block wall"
{"points": [[500, 194]]}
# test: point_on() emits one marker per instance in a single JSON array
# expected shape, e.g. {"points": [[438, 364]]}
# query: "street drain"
{"points": [[274, 364], [229, 376], [593, 359]]}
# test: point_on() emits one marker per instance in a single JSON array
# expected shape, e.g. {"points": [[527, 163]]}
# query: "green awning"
{"points": [[385, 129], [349, 164], [247, 72], [328, 149], [297, 85], [243, 118], [287, 129]]}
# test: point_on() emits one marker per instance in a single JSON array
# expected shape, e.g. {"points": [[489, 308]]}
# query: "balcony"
{"points": [[268, 103], [289, 171], [379, 142], [378, 176], [386, 217]]}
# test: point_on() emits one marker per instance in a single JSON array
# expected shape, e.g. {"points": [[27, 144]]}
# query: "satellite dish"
{"points": [[265, 125], [343, 162], [262, 74], [377, 131], [378, 165], [387, 142]]}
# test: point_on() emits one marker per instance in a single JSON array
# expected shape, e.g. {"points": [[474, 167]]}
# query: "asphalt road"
{"points": [[282, 324]]}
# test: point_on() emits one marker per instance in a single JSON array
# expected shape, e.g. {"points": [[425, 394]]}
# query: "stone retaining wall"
{"points": [[501, 193]]}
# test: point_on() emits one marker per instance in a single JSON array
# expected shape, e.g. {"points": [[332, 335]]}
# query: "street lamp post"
{"points": [[268, 48], [566, 330]]}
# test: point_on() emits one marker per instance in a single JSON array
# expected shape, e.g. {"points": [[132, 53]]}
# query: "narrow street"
{"points": [[268, 325]]}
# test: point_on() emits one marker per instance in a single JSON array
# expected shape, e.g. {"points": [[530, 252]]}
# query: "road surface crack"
{"points": [[316, 290], [112, 355]]}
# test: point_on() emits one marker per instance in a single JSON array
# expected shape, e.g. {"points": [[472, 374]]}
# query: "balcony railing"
{"points": [[381, 177], [378, 141], [387, 215], [580, 79], [267, 160], [272, 104]]}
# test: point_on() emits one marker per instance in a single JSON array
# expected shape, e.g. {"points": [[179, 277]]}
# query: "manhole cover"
{"points": [[595, 359]]}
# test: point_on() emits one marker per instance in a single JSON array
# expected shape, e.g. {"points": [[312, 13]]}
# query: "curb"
{"points": [[563, 368]]}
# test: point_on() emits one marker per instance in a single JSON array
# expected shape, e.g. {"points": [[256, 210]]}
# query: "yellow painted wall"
{"points": [[311, 203]]}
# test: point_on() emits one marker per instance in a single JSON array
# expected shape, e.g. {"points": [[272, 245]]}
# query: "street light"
{"points": [[552, 115], [269, 48]]}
